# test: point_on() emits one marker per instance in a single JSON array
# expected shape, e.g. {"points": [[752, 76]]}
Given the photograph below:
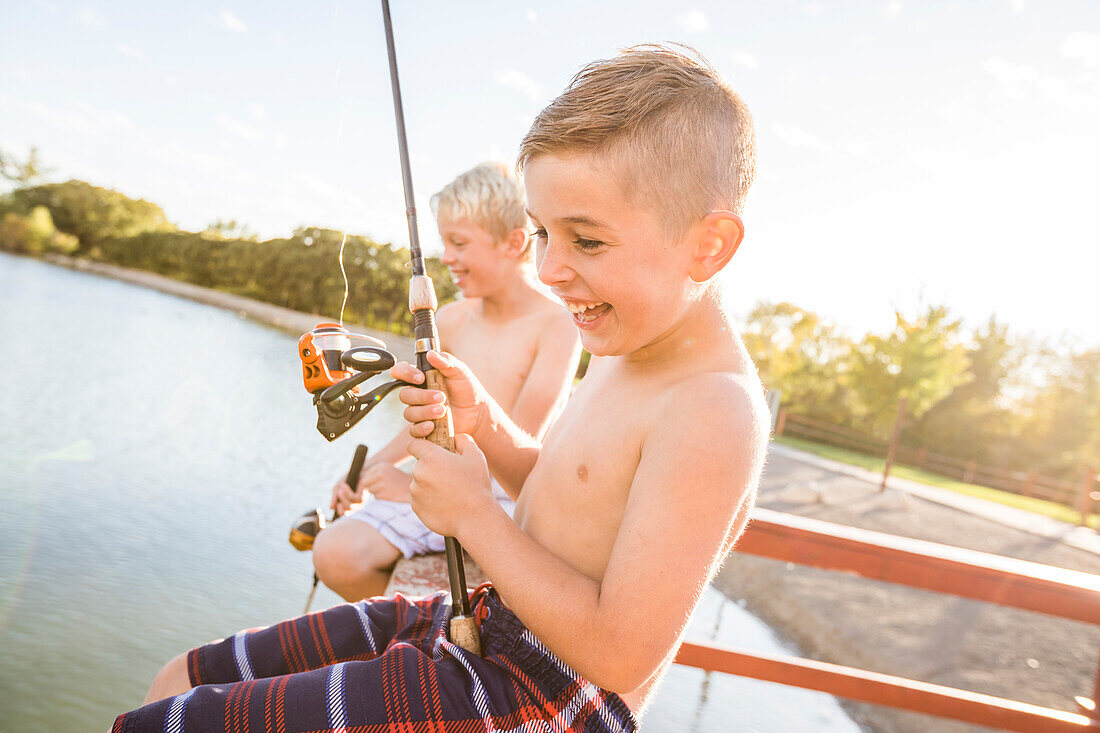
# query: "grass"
{"points": [[1050, 509]]}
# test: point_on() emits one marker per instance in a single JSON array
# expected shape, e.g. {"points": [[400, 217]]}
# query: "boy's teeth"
{"points": [[579, 308]]}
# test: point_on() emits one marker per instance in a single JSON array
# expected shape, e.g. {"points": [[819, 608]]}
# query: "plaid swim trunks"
{"points": [[382, 665], [396, 521]]}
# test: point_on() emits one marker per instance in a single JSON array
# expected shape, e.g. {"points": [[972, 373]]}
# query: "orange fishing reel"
{"points": [[332, 372]]}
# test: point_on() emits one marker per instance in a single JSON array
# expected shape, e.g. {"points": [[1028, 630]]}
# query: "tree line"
{"points": [[985, 395], [301, 272]]}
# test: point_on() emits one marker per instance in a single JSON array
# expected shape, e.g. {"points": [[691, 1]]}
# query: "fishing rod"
{"points": [[422, 303], [309, 525]]}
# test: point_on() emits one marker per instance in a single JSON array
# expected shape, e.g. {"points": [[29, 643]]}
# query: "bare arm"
{"points": [[698, 470], [546, 388]]}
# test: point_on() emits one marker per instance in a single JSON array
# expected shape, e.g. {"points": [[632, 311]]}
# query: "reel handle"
{"points": [[353, 472]]}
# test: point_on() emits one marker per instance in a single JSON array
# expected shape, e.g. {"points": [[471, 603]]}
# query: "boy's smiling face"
{"points": [[473, 257], [609, 259]]}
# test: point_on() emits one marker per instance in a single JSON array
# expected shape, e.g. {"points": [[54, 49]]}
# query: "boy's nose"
{"points": [[552, 269]]}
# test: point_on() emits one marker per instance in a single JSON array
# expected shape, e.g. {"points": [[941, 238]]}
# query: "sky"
{"points": [[909, 153]]}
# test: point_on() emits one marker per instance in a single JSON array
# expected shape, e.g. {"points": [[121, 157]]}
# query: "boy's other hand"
{"points": [[449, 487], [344, 497], [468, 400], [385, 481]]}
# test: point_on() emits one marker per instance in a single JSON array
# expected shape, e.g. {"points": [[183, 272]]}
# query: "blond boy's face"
{"points": [[610, 260], [473, 257]]}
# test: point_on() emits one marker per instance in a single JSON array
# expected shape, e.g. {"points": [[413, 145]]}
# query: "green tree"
{"points": [[801, 354], [976, 420], [91, 213], [921, 360], [22, 172]]}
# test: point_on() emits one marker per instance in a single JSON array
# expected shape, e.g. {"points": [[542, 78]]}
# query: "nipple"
{"points": [[582, 472]]}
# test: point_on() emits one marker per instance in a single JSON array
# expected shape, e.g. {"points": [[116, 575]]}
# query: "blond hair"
{"points": [[488, 195], [678, 137]]}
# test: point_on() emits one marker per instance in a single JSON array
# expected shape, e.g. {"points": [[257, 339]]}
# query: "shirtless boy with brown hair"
{"points": [[635, 176], [516, 339]]}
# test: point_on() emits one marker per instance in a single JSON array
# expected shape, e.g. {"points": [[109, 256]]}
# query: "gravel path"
{"points": [[908, 632]]}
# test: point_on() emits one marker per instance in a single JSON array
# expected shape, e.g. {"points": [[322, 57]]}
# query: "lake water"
{"points": [[153, 453]]}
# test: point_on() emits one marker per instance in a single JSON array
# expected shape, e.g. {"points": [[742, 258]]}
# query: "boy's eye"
{"points": [[587, 245], [538, 234]]}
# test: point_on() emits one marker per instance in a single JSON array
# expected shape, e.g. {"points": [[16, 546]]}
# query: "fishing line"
{"points": [[345, 274]]}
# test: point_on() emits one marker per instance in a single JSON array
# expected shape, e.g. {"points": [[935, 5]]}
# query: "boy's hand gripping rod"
{"points": [[422, 303]]}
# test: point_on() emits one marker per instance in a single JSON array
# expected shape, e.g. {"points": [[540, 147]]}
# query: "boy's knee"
{"points": [[171, 680], [345, 553]]}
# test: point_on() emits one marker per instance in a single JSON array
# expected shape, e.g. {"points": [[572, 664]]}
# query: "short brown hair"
{"points": [[674, 131]]}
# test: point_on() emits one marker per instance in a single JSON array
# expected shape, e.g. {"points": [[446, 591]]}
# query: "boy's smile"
{"points": [[469, 253], [607, 258]]}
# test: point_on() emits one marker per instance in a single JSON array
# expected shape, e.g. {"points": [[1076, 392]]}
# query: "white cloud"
{"points": [[532, 16], [251, 133], [90, 18], [813, 8], [796, 137], [1008, 73], [1025, 82], [1085, 47], [893, 8], [131, 52], [518, 80], [693, 21], [1017, 6], [746, 59], [231, 22]]}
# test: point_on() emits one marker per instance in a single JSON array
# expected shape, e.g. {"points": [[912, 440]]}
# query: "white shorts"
{"points": [[397, 522]]}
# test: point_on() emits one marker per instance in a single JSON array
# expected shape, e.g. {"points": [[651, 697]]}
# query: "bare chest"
{"points": [[574, 499], [500, 355]]}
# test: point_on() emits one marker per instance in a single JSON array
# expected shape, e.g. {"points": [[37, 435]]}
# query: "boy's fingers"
{"points": [[445, 363], [466, 446], [419, 413], [421, 429], [418, 396], [421, 449], [406, 372]]}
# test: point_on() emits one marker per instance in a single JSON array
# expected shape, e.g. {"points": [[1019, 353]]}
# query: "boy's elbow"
{"points": [[624, 665]]}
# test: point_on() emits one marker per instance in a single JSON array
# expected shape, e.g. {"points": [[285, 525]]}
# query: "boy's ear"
{"points": [[719, 236], [515, 243]]}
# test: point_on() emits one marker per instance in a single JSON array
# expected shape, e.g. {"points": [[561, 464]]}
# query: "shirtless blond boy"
{"points": [[514, 337], [634, 177]]}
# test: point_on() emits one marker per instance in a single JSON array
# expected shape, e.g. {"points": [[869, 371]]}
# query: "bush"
{"points": [[34, 233], [90, 213]]}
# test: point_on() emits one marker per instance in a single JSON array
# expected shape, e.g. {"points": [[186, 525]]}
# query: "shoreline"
{"points": [[926, 636]]}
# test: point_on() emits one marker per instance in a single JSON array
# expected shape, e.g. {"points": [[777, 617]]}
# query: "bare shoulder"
{"points": [[726, 409], [555, 321], [452, 315]]}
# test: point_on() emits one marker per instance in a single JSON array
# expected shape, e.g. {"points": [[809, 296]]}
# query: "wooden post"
{"points": [[1085, 496], [893, 444], [971, 471], [1029, 485], [781, 421]]}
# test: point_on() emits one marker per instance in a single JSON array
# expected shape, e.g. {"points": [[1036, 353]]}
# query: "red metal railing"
{"points": [[919, 564]]}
